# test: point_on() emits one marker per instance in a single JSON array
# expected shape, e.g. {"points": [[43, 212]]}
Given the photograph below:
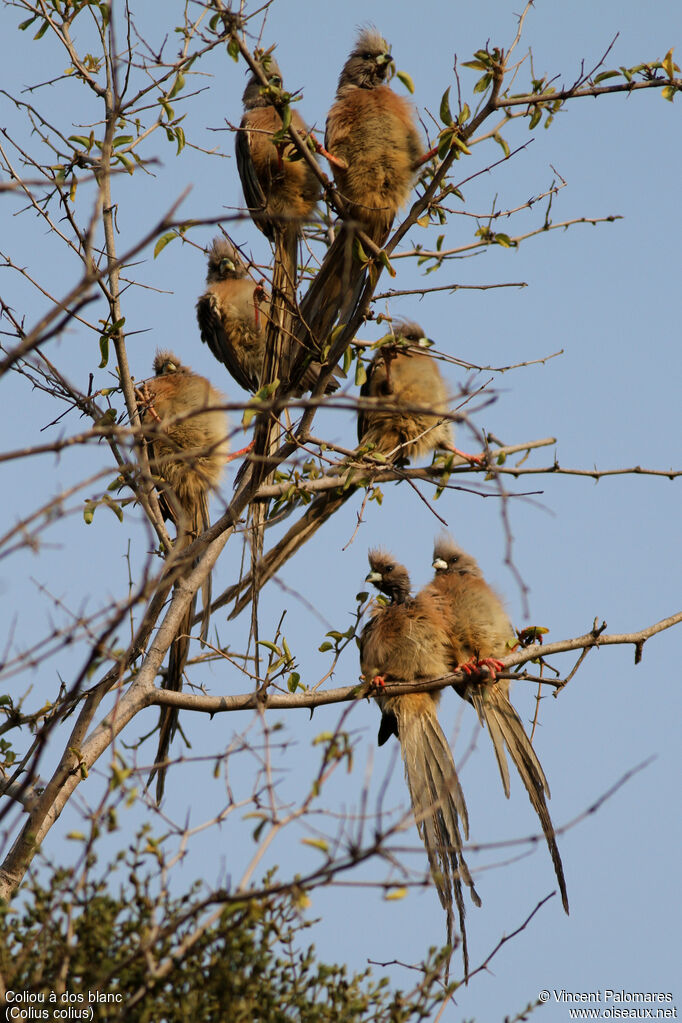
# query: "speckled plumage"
{"points": [[478, 628], [405, 641]]}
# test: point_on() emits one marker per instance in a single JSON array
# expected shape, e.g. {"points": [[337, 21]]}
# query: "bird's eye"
{"points": [[367, 56], [389, 568]]}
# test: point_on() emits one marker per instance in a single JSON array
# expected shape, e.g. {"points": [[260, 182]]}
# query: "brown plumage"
{"points": [[188, 447], [414, 398], [411, 398], [372, 135], [233, 315], [375, 147], [280, 190], [406, 642], [480, 633]]}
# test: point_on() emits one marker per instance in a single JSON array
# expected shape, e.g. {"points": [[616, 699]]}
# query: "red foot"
{"points": [[379, 681], [242, 451], [335, 161], [474, 666], [259, 295], [474, 459], [425, 158]]}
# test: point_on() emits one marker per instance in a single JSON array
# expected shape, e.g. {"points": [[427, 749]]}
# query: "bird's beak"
{"points": [[440, 565], [373, 577]]}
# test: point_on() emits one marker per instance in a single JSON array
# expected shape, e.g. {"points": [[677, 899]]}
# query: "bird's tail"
{"points": [[179, 649], [506, 730], [437, 802], [317, 513], [334, 293]]}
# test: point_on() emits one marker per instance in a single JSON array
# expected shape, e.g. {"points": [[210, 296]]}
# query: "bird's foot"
{"points": [[474, 666], [145, 400], [425, 158], [378, 682], [259, 295], [474, 459], [335, 161], [242, 451]]}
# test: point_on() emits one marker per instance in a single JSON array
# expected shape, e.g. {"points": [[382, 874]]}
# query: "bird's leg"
{"points": [[242, 451], [258, 296], [425, 158], [474, 666], [378, 682], [335, 161], [474, 459], [145, 399]]}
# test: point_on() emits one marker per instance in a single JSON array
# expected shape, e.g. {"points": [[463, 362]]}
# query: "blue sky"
{"points": [[607, 297]]}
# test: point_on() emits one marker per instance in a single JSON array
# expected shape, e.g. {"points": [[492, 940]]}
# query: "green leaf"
{"points": [[177, 86], [233, 48], [535, 117], [604, 75], [504, 240], [383, 256], [42, 30], [180, 136], [403, 77], [360, 374], [444, 143], [668, 66], [668, 92], [167, 107], [503, 143], [122, 140], [445, 112], [461, 144], [293, 682], [475, 65], [464, 114], [89, 512], [83, 140], [315, 843], [27, 24], [325, 646], [104, 350], [483, 83], [163, 242], [270, 646], [396, 893]]}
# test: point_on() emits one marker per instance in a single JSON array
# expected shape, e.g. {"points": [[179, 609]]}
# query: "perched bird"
{"points": [[372, 138], [405, 641], [375, 148], [188, 447], [411, 399], [479, 633], [280, 190], [233, 314], [406, 422]]}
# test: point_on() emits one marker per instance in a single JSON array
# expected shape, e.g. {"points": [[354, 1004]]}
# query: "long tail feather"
{"points": [[506, 729], [438, 805]]}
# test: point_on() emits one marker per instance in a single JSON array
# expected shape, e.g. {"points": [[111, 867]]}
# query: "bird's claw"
{"points": [[474, 666]]}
